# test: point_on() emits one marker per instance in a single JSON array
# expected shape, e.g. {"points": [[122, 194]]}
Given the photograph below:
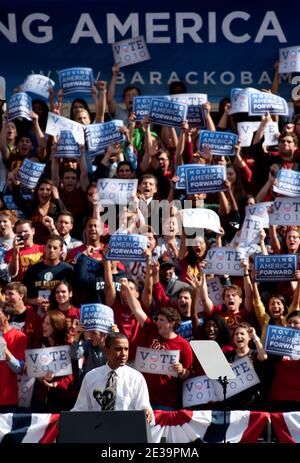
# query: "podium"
{"points": [[95, 427]]}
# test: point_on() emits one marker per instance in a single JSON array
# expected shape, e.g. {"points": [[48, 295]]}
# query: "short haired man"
{"points": [[24, 252], [40, 278], [131, 388], [24, 318]]}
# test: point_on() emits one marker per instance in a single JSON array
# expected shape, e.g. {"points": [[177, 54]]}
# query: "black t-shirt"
{"points": [[41, 278]]}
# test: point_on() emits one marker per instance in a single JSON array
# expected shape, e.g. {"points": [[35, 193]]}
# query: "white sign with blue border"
{"points": [[41, 361], [55, 124], [289, 60]]}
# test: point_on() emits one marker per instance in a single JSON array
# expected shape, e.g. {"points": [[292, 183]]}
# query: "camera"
{"points": [[20, 240]]}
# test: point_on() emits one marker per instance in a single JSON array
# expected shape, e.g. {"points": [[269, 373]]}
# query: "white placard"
{"points": [[116, 191], [198, 390], [245, 131], [260, 210], [270, 134], [225, 260], [245, 377], [289, 60], [201, 389], [56, 359], [57, 123], [191, 99], [215, 293], [201, 218], [286, 211], [239, 100], [25, 390], [158, 362], [39, 84], [251, 228], [130, 51]]}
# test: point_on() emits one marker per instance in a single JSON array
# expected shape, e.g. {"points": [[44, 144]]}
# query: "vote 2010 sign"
{"points": [[201, 389], [56, 359], [224, 260], [158, 362]]}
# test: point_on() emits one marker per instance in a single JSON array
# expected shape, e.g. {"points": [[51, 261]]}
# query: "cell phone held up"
{"points": [[19, 240]]}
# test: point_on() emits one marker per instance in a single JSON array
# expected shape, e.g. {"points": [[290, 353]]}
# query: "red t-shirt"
{"points": [[165, 389], [27, 257], [16, 344], [127, 324]]}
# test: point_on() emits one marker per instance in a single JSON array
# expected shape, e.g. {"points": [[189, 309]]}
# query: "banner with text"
{"points": [[281, 267], [96, 317], [205, 179], [100, 136], [287, 182], [158, 362], [225, 260], [55, 124], [116, 191], [220, 143], [73, 80], [285, 211], [283, 341], [56, 359], [127, 247], [130, 51]]}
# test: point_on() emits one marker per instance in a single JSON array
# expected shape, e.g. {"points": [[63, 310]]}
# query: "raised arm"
{"points": [[112, 89], [247, 286], [100, 102], [210, 122], [147, 293], [133, 303], [110, 291]]}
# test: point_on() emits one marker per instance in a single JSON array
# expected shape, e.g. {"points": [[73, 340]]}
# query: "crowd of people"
{"points": [[49, 236]]}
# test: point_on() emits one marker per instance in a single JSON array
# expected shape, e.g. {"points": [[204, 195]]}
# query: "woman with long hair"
{"points": [[45, 202], [53, 394]]}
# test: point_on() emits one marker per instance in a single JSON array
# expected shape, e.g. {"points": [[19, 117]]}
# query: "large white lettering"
{"points": [[182, 30], [151, 28], [85, 21], [131, 23], [185, 26], [46, 31]]}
